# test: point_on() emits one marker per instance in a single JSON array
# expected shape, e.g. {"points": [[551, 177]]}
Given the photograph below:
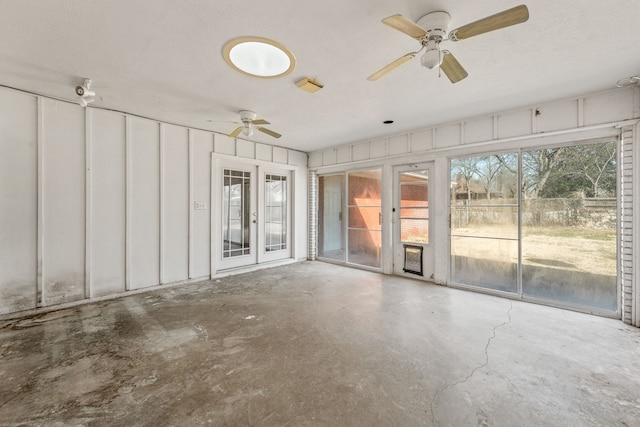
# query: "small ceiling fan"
{"points": [[431, 30], [249, 123]]}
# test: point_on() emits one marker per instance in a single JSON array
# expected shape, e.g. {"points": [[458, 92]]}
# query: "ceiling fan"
{"points": [[249, 123], [431, 30]]}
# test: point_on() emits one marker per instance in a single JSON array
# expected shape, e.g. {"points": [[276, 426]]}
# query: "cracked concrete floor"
{"points": [[317, 344]]}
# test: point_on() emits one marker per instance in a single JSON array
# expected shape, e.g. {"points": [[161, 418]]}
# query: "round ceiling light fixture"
{"points": [[259, 57]]}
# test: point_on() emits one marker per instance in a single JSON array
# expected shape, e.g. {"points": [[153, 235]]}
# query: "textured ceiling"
{"points": [[162, 59]]}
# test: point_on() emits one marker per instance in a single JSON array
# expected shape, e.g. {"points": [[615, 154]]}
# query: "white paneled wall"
{"points": [[143, 203], [19, 209], [63, 202], [96, 203], [107, 204], [175, 204], [201, 145]]}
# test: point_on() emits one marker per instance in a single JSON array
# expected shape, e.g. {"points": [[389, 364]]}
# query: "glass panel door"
{"points": [[238, 216], [330, 226], [275, 210], [413, 253], [274, 241], [569, 223], [365, 217]]}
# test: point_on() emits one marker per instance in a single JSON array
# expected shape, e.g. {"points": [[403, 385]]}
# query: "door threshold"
{"points": [[247, 269]]}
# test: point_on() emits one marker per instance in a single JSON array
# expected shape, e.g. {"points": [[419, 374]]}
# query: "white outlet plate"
{"points": [[200, 205]]}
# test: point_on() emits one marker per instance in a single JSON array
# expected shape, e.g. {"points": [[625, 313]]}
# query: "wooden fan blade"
{"points": [[236, 132], [452, 68], [506, 18], [270, 132], [261, 122], [389, 67], [402, 24]]}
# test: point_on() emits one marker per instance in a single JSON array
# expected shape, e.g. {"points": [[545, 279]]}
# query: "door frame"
{"points": [[428, 251], [220, 161]]}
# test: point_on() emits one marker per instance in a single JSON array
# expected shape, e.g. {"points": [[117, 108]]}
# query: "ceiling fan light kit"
{"points": [[432, 56], [431, 30]]}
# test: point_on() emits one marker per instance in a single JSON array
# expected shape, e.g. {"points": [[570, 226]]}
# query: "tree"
{"points": [[464, 171], [595, 165], [589, 169], [487, 168], [537, 167]]}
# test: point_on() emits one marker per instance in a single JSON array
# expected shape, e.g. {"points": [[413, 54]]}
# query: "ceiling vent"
{"points": [[309, 85]]}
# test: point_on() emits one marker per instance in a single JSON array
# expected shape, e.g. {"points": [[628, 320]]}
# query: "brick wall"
{"points": [[626, 225]]}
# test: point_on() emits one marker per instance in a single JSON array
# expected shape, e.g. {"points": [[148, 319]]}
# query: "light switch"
{"points": [[200, 205]]}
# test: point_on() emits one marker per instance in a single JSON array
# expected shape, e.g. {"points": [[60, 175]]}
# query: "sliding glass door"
{"points": [[540, 223], [350, 217]]}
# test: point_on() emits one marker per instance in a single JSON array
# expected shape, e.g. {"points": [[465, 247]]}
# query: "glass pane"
{"points": [[364, 247], [330, 199], [414, 212], [275, 213], [487, 263], [366, 218], [414, 207], [569, 223], [414, 230], [365, 200], [364, 188], [485, 221], [235, 218], [490, 179]]}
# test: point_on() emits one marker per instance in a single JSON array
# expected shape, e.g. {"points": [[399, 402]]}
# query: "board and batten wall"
{"points": [[96, 203], [598, 110]]}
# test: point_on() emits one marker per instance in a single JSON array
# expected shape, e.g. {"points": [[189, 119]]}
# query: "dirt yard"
{"points": [[586, 250]]}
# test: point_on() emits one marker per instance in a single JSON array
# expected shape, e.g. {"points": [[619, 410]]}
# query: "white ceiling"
{"points": [[162, 59]]}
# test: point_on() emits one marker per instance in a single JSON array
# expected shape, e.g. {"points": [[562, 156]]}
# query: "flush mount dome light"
{"points": [[259, 57]]}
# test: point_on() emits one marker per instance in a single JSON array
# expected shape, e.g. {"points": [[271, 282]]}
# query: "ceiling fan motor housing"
{"points": [[436, 24], [247, 116]]}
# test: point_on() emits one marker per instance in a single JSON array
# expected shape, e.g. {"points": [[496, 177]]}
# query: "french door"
{"points": [[251, 223]]}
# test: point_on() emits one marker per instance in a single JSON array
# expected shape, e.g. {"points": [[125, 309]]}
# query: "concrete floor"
{"points": [[317, 344]]}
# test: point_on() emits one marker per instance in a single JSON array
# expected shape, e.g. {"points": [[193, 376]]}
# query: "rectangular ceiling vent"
{"points": [[309, 85]]}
